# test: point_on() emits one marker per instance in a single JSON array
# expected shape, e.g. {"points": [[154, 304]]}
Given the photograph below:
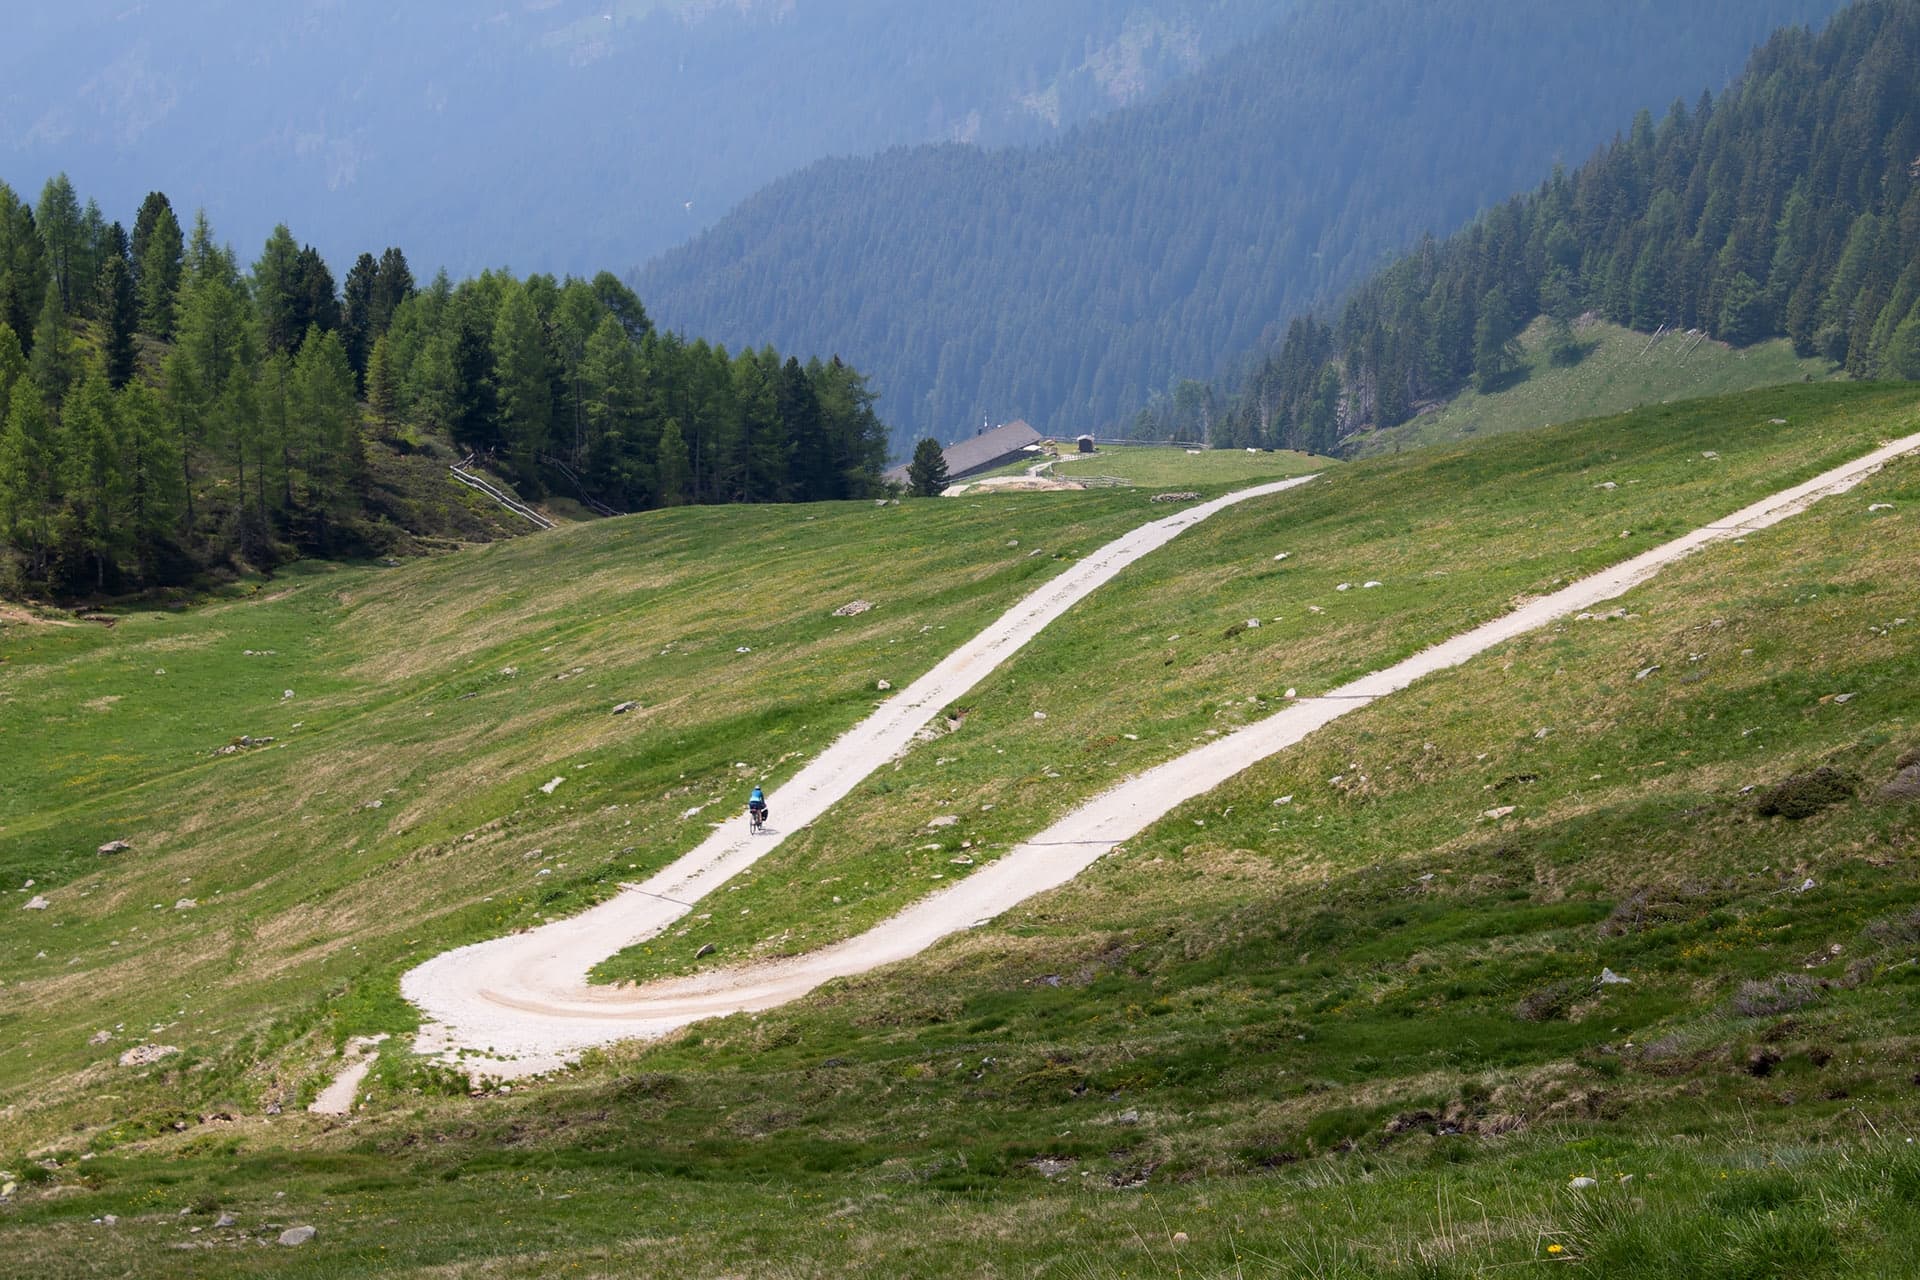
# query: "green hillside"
{"points": [[1788, 206], [1066, 283], [1358, 1034], [1619, 369]]}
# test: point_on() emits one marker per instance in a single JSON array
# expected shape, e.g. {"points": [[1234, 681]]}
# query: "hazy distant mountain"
{"points": [[1066, 282], [549, 134]]}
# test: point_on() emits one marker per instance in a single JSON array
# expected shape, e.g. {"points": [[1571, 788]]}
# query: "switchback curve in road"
{"points": [[545, 1016], [516, 1001]]}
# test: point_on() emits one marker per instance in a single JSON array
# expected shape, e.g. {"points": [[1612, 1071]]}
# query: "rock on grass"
{"points": [[1905, 785]]}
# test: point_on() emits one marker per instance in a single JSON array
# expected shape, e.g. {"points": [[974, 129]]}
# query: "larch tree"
{"points": [[523, 380], [95, 481], [63, 234], [275, 292], [29, 478]]}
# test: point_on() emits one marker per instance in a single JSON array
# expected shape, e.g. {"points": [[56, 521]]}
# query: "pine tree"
{"points": [[927, 473]]}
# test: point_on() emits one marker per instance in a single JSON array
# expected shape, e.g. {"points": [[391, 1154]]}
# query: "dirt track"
{"points": [[526, 1000]]}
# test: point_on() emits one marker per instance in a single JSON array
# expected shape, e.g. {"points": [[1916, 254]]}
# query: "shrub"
{"points": [[1805, 794]]}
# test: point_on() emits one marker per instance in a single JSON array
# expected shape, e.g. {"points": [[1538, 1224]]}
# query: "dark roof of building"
{"points": [[989, 447]]}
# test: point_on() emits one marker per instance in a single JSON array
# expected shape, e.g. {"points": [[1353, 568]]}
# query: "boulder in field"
{"points": [[292, 1237], [113, 847]]}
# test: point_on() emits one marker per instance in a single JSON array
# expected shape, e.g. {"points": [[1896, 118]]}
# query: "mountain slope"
{"points": [[1064, 283], [1308, 1030], [1618, 370], [1788, 208], [553, 136]]}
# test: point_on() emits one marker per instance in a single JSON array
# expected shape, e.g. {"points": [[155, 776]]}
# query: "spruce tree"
{"points": [[158, 260], [144, 224], [356, 312], [316, 303], [23, 267], [927, 473], [119, 316], [393, 285], [671, 469]]}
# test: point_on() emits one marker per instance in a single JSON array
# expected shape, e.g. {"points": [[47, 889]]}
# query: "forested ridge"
{"points": [[1788, 207], [1067, 283], [163, 413]]}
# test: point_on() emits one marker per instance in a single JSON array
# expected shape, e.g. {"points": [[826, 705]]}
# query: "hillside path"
{"points": [[524, 999], [529, 999]]}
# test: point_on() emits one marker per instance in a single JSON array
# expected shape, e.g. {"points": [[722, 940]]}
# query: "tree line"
{"points": [[1789, 207], [163, 411]]}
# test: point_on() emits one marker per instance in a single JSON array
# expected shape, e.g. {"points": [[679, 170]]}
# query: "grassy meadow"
{"points": [[1620, 370], [1362, 1033], [1163, 658], [1151, 466]]}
